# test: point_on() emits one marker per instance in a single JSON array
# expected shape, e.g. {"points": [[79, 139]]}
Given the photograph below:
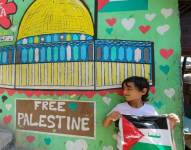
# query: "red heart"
{"points": [[111, 21], [30, 138], [102, 3], [7, 119], [1, 91], [152, 89], [28, 93], [144, 29], [59, 93], [166, 53], [10, 92], [37, 93]]}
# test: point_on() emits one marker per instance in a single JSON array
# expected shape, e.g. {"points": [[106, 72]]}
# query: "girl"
{"points": [[135, 91]]}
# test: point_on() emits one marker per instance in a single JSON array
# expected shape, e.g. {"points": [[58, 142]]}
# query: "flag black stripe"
{"points": [[147, 122]]}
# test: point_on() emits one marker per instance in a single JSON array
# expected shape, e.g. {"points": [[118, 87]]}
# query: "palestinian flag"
{"points": [[121, 5], [148, 133]]}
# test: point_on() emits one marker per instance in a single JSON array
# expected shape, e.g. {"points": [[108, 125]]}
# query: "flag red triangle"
{"points": [[102, 3], [131, 134]]}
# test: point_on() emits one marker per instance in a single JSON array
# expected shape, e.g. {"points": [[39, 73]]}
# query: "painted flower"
{"points": [[6, 9]]}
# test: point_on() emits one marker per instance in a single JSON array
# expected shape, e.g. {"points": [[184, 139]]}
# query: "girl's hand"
{"points": [[110, 118], [173, 119], [114, 116]]}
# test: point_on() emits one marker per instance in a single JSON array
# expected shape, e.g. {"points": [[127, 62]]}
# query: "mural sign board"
{"points": [[63, 117]]}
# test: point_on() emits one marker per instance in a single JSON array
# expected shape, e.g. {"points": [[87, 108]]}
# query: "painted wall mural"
{"points": [[68, 58], [62, 52]]}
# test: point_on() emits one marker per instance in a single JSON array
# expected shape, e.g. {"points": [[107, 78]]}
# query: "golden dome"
{"points": [[56, 16]]}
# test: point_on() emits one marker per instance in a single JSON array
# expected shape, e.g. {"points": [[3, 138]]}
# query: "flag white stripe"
{"points": [[120, 136], [151, 135]]}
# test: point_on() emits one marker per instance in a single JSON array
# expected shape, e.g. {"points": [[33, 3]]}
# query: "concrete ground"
{"points": [[7, 140]]}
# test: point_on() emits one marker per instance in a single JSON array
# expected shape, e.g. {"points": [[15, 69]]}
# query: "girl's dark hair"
{"points": [[140, 83]]}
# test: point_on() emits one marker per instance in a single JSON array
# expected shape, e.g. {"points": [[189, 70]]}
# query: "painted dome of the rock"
{"points": [[56, 16]]}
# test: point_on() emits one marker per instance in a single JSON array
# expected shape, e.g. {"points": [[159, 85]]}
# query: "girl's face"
{"points": [[132, 93]]}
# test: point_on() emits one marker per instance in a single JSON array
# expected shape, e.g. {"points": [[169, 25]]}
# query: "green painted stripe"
{"points": [[146, 146], [125, 5]]}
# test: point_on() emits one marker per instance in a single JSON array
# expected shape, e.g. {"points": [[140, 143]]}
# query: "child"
{"points": [[135, 91]]}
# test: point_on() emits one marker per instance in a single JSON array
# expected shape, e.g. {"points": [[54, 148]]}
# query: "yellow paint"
{"points": [[147, 71], [106, 73], [55, 78], [72, 74], [62, 75], [6, 71], [42, 74], [90, 78], [4, 77], [10, 74], [39, 72], [68, 37], [122, 72], [30, 74], [130, 72], [1, 81], [114, 74], [53, 16], [24, 75], [138, 69], [49, 73], [98, 74], [69, 79], [76, 71], [59, 69], [83, 74], [36, 75], [86, 74], [17, 75], [36, 40], [56, 74], [66, 75], [8, 82]]}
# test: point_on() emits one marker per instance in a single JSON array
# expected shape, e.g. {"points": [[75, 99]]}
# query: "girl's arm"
{"points": [[110, 118]]}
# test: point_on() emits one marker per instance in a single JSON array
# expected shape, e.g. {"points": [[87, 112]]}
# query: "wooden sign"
{"points": [[62, 117]]}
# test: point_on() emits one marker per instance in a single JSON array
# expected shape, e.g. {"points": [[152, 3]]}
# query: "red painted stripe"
{"points": [[89, 94]]}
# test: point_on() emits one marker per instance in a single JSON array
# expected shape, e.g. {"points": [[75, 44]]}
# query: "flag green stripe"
{"points": [[125, 5], [146, 146]]}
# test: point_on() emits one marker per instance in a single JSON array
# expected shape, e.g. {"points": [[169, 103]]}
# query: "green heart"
{"points": [[73, 106], [158, 104], [164, 68], [109, 30], [47, 141]]}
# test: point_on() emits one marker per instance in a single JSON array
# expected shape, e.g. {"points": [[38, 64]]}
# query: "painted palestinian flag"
{"points": [[121, 5], [148, 133]]}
